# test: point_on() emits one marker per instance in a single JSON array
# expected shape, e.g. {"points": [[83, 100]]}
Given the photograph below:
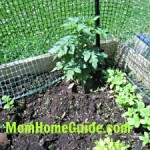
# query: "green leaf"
{"points": [[145, 111], [5, 98], [104, 55], [145, 139], [129, 113], [136, 121], [54, 69], [131, 102], [59, 65], [143, 121], [95, 18], [146, 135], [141, 106], [69, 75], [6, 106], [65, 49], [131, 121], [72, 49], [54, 50], [61, 53], [94, 64], [74, 19], [141, 138], [87, 31], [94, 61], [81, 27], [11, 102], [86, 55], [77, 70], [102, 32]]}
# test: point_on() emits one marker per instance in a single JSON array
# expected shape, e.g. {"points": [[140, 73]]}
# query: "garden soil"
{"points": [[62, 105]]}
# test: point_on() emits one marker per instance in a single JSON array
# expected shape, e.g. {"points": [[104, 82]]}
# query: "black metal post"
{"points": [[97, 22]]}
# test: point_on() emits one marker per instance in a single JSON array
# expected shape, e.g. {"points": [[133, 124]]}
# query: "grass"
{"points": [[31, 28]]}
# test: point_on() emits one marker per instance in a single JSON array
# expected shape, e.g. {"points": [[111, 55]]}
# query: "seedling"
{"points": [[138, 116], [145, 139], [9, 102], [109, 144], [136, 113]]}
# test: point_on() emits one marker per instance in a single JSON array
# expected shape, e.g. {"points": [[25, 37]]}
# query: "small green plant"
{"points": [[136, 112], [126, 97], [115, 78], [124, 91], [75, 52], [145, 139], [109, 144], [139, 115], [2, 126], [9, 102]]}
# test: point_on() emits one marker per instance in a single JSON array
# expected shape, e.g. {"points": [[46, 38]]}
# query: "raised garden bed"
{"points": [[60, 105], [103, 98], [20, 75]]}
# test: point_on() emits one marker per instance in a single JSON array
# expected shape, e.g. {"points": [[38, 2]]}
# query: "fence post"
{"points": [[97, 22]]}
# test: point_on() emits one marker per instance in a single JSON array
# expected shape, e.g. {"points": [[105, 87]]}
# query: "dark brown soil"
{"points": [[59, 104]]}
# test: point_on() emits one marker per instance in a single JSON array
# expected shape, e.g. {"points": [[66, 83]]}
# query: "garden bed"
{"points": [[17, 77], [104, 99], [60, 105]]}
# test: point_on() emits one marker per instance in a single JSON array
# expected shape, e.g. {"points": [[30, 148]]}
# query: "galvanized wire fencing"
{"points": [[134, 58], [30, 28]]}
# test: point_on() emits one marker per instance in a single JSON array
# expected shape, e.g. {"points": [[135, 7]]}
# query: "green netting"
{"points": [[30, 28]]}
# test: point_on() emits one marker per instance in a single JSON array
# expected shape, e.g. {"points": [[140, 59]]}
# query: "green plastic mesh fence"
{"points": [[28, 29]]}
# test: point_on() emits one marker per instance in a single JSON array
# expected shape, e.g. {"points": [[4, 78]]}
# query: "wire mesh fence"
{"points": [[134, 59], [30, 28], [22, 78]]}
